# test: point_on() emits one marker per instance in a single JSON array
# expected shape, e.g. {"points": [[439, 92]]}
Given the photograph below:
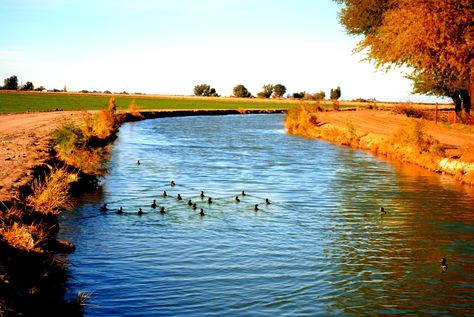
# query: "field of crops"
{"points": [[26, 102]]}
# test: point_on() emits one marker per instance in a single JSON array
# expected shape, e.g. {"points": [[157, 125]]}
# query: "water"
{"points": [[320, 248]]}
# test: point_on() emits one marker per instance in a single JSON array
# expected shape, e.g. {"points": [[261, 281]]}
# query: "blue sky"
{"points": [[168, 47]]}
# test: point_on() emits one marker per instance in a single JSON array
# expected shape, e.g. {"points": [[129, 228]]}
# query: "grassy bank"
{"points": [[32, 275], [410, 144]]}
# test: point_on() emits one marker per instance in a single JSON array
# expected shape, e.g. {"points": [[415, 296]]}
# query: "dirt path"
{"points": [[24, 144], [386, 123]]}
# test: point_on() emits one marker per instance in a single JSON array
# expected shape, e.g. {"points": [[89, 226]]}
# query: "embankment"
{"points": [[441, 148]]}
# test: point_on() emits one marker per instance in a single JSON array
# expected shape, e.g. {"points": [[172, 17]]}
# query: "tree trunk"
{"points": [[466, 100], [457, 102]]}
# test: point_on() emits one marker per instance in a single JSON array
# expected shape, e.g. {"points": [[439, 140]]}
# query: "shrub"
{"points": [[51, 195], [414, 136]]}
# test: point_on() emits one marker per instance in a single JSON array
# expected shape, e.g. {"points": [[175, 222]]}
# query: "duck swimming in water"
{"points": [[256, 207], [237, 200], [138, 162], [139, 212], [120, 210], [194, 206], [444, 265], [201, 213], [209, 200], [162, 210], [179, 197], [243, 193], [165, 194], [173, 184], [104, 208], [154, 204], [190, 202], [202, 195], [382, 211], [267, 202]]}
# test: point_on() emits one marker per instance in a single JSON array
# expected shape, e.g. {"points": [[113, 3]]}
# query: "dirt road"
{"points": [[24, 144], [386, 123]]}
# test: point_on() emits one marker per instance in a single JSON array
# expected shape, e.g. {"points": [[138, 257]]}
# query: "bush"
{"points": [[51, 195]]}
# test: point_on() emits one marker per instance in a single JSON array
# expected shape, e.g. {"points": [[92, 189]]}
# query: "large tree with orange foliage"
{"points": [[434, 38]]}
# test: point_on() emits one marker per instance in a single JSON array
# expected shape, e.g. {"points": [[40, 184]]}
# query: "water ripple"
{"points": [[320, 248]]}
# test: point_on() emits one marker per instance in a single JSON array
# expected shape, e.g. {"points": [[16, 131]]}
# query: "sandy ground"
{"points": [[25, 138], [24, 144], [386, 123]]}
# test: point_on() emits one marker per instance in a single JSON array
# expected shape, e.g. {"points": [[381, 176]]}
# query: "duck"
{"points": [[202, 195], [267, 201], [190, 202], [382, 211], [201, 213], [139, 212], [209, 200], [154, 204], [256, 207], [237, 200], [104, 208], [165, 194], [179, 197], [162, 210], [138, 162], [194, 206], [444, 265], [172, 184], [120, 210], [243, 193]]}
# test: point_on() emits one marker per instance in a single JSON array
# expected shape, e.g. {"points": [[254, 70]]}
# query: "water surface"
{"points": [[320, 248]]}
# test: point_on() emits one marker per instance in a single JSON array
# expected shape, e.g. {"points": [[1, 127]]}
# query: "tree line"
{"points": [[11, 83], [269, 91]]}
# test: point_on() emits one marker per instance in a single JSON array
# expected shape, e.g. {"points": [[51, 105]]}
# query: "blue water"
{"points": [[320, 248]]}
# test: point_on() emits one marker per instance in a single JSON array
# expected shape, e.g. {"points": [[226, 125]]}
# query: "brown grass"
{"points": [[51, 195]]}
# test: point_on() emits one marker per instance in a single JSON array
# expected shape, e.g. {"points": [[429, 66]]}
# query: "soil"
{"points": [[25, 143], [386, 123], [25, 139]]}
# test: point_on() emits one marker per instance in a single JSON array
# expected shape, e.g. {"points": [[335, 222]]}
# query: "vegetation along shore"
{"points": [[404, 133]]}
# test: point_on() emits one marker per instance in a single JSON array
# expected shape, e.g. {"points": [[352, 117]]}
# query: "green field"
{"points": [[11, 102]]}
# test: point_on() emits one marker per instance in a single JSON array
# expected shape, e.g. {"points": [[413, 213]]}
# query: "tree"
{"points": [[10, 83], [278, 91], [241, 92], [28, 86], [335, 94], [319, 95], [267, 91], [434, 38], [205, 90]]}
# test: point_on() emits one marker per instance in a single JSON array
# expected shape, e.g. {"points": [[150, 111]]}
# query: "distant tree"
{"points": [[335, 93], [241, 92], [28, 86], [11, 83], [278, 91], [205, 90], [267, 91], [299, 95], [40, 88], [320, 95]]}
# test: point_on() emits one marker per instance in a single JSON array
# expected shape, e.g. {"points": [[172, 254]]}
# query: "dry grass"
{"points": [[302, 118], [18, 236], [51, 195], [134, 111]]}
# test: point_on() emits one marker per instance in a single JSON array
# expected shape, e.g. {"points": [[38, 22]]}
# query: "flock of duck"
{"points": [[192, 204]]}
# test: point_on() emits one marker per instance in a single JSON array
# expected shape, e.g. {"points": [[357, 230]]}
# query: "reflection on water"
{"points": [[321, 247]]}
